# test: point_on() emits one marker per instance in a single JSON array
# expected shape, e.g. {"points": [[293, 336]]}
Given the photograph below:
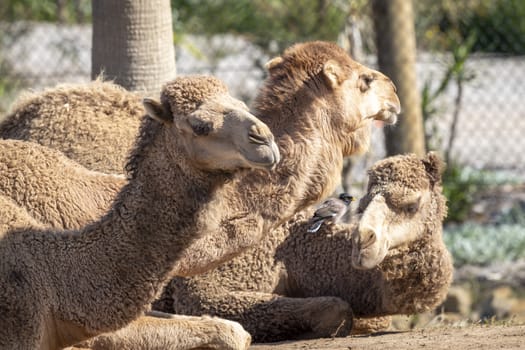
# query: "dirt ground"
{"points": [[468, 338]]}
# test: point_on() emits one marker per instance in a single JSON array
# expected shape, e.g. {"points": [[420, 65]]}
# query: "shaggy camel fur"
{"points": [[63, 287], [74, 119], [320, 105], [318, 102], [298, 284], [175, 332], [53, 189], [13, 216]]}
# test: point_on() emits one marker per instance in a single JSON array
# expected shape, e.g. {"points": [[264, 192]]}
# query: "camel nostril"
{"points": [[367, 237], [257, 138], [393, 107]]}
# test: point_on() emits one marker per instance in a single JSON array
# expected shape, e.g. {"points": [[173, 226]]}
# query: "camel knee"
{"points": [[228, 335], [334, 318]]}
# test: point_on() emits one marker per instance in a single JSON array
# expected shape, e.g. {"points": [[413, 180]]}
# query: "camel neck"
{"points": [[417, 275], [411, 279], [308, 154], [128, 254]]}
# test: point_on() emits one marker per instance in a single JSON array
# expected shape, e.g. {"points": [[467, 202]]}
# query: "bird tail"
{"points": [[315, 226]]}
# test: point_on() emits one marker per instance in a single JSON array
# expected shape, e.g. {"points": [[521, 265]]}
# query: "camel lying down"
{"points": [[391, 260], [62, 287], [298, 284]]}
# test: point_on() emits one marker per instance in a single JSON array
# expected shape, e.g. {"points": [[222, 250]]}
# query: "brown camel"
{"points": [[62, 287], [297, 284]]}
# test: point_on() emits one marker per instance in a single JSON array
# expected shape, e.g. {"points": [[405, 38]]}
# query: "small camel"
{"points": [[320, 105], [302, 285], [62, 287]]}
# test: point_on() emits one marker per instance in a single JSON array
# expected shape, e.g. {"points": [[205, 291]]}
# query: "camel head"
{"points": [[404, 201], [215, 129], [352, 94]]}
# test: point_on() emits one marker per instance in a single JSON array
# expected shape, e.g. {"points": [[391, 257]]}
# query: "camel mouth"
{"points": [[262, 165], [386, 116], [264, 156], [369, 256], [361, 261]]}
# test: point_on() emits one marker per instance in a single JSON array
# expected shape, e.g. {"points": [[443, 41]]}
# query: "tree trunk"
{"points": [[133, 43], [396, 52]]}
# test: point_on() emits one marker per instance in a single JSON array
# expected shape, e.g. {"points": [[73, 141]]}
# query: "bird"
{"points": [[332, 210]]}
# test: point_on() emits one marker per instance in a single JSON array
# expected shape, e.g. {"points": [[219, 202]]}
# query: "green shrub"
{"points": [[500, 26], [460, 185], [482, 245]]}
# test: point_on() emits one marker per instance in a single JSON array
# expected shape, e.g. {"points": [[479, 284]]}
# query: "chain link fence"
{"points": [[470, 71]]}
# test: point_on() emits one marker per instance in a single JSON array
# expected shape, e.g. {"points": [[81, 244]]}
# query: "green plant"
{"points": [[457, 73], [460, 185], [72, 11], [482, 245], [9, 85], [272, 25], [500, 24]]}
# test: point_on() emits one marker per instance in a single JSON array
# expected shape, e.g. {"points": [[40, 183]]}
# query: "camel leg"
{"points": [[371, 325], [173, 332], [270, 317]]}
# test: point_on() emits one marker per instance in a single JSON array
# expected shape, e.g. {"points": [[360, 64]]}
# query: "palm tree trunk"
{"points": [[133, 43], [396, 51]]}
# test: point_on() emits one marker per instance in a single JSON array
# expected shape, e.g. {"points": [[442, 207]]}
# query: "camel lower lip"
{"points": [[379, 123], [390, 119], [267, 165]]}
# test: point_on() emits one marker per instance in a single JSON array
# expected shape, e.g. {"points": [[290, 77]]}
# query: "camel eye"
{"points": [[365, 81], [412, 208]]}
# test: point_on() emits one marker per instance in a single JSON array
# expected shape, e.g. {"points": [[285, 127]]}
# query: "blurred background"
{"points": [[460, 71]]}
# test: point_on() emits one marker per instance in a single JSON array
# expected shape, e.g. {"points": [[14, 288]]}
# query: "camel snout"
{"points": [[366, 237], [394, 107], [266, 151]]}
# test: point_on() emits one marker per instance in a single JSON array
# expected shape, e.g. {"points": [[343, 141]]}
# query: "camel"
{"points": [[320, 105], [62, 287], [296, 284], [73, 118]]}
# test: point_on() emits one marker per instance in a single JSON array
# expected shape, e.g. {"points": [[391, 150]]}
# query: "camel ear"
{"points": [[157, 111], [333, 73], [274, 62], [434, 167], [198, 126]]}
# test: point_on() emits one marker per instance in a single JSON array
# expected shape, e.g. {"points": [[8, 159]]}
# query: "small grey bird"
{"points": [[332, 210]]}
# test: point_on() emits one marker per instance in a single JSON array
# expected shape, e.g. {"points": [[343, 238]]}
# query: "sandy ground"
{"points": [[468, 338]]}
